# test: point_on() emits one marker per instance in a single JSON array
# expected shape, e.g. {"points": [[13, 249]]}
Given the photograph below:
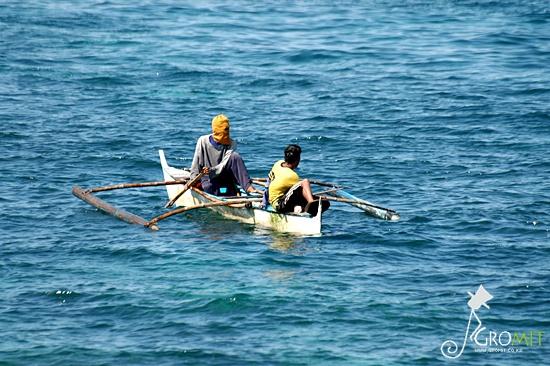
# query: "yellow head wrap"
{"points": [[220, 130]]}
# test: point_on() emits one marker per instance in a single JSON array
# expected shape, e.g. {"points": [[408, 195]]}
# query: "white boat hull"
{"points": [[291, 223]]}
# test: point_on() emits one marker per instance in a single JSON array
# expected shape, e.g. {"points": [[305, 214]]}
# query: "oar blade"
{"points": [[369, 208]]}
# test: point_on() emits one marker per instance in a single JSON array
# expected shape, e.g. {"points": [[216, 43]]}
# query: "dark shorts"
{"points": [[292, 198]]}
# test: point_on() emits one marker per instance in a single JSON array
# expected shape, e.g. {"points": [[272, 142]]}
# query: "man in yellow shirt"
{"points": [[287, 193]]}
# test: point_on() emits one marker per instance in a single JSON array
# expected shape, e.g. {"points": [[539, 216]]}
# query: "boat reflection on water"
{"points": [[280, 275], [284, 247], [286, 243], [219, 228]]}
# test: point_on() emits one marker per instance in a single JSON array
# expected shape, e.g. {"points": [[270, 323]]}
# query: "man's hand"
{"points": [[254, 190]]}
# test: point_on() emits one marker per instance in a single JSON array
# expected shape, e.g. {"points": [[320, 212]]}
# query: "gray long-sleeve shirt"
{"points": [[212, 155]]}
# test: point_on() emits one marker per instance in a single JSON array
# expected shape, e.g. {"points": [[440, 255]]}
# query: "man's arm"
{"points": [[198, 163]]}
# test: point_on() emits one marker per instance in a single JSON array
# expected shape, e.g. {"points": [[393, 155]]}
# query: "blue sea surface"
{"points": [[439, 110]]}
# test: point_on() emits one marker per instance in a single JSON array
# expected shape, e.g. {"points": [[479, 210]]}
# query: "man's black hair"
{"points": [[292, 153]]}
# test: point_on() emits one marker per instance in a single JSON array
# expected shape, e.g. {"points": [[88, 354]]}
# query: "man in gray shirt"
{"points": [[224, 166]]}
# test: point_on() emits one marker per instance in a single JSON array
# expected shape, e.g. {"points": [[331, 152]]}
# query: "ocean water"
{"points": [[438, 109]]}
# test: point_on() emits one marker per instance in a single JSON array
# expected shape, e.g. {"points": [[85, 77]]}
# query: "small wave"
{"points": [[311, 56]]}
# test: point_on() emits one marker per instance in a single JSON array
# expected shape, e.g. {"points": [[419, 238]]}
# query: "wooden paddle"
{"points": [[233, 203], [325, 184], [325, 192], [205, 195], [358, 202], [186, 188], [369, 208]]}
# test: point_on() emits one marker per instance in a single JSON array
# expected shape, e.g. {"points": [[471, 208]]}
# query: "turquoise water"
{"points": [[439, 110]]}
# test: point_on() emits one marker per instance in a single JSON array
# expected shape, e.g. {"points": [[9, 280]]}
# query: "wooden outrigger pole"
{"points": [[134, 185]]}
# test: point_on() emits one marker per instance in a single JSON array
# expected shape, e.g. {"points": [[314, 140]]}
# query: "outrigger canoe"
{"points": [[249, 212], [247, 208]]}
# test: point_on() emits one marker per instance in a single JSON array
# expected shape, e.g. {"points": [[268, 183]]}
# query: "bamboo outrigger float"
{"points": [[88, 197]]}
